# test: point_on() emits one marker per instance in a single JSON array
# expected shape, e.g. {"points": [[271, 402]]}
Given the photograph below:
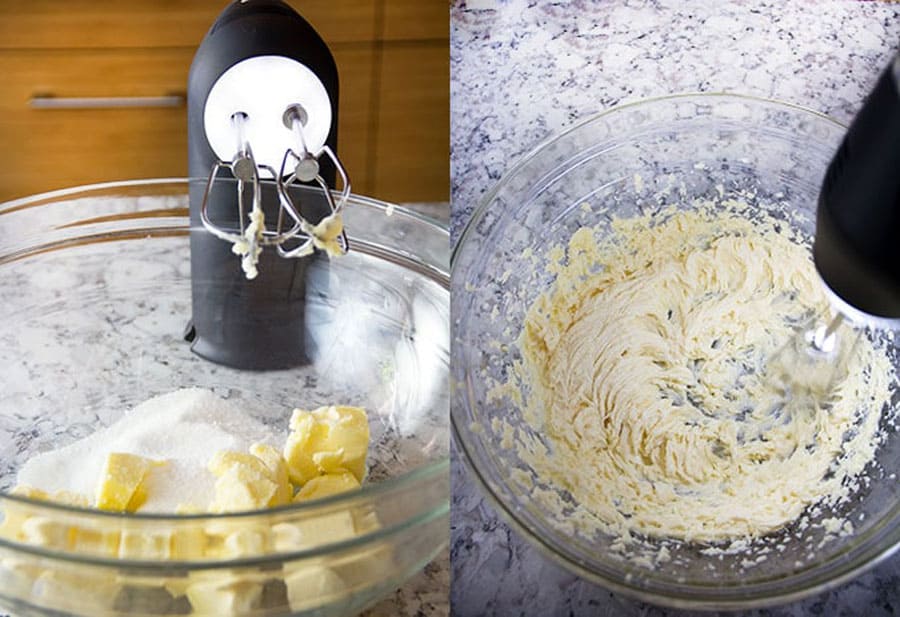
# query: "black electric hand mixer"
{"points": [[262, 114], [857, 243]]}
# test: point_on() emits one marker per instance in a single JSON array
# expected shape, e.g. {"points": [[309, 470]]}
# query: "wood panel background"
{"points": [[392, 56]]}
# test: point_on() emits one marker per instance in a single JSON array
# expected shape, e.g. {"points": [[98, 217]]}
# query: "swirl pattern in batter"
{"points": [[647, 365]]}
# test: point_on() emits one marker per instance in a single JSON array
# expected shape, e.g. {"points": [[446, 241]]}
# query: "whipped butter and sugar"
{"points": [[645, 365]]}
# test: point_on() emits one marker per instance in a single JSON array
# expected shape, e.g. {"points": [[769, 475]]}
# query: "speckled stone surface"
{"points": [[524, 70]]}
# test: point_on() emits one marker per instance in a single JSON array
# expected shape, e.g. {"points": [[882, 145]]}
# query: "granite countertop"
{"points": [[523, 70]]}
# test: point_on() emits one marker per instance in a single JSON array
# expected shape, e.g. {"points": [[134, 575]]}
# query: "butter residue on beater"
{"points": [[325, 233], [249, 245], [648, 402]]}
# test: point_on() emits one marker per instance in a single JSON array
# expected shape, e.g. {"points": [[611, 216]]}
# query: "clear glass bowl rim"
{"points": [[695, 598], [429, 472]]}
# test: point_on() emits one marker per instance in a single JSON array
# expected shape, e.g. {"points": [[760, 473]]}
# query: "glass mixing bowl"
{"points": [[621, 162], [97, 297]]}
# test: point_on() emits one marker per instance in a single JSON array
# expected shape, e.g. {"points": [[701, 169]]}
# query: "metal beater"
{"points": [[248, 241], [856, 251], [262, 134]]}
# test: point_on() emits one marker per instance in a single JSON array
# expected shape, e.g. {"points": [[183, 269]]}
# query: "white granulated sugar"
{"points": [[185, 428]]}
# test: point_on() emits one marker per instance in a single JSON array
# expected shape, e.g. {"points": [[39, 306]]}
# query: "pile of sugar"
{"points": [[185, 428]]}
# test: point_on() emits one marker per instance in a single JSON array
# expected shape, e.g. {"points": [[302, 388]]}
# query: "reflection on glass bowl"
{"points": [[98, 296]]}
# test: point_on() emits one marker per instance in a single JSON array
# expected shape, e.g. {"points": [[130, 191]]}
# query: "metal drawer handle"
{"points": [[104, 102]]}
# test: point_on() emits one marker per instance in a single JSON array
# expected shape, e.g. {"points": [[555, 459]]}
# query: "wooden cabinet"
{"points": [[69, 24], [392, 57], [54, 148], [413, 125]]}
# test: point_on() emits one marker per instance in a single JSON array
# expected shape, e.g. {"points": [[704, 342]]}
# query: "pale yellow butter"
{"points": [[121, 482], [67, 590], [327, 528], [287, 538], [224, 596], [311, 585], [15, 514], [278, 473], [241, 487], [17, 576], [188, 542], [20, 523], [327, 440], [327, 484], [324, 455], [230, 539], [145, 545], [364, 565], [326, 233], [646, 363], [92, 541], [43, 531], [70, 499]]}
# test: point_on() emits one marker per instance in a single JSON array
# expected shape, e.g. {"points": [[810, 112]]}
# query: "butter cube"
{"points": [[274, 462], [17, 576], [300, 447], [330, 461], [14, 514], [149, 545], [311, 585], [188, 542], [327, 440], [42, 531], [92, 541], [121, 482], [242, 488], [359, 568], [287, 537], [329, 484], [225, 596], [229, 539], [365, 520], [224, 460], [327, 528], [247, 542], [250, 481], [304, 534], [64, 590]]}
